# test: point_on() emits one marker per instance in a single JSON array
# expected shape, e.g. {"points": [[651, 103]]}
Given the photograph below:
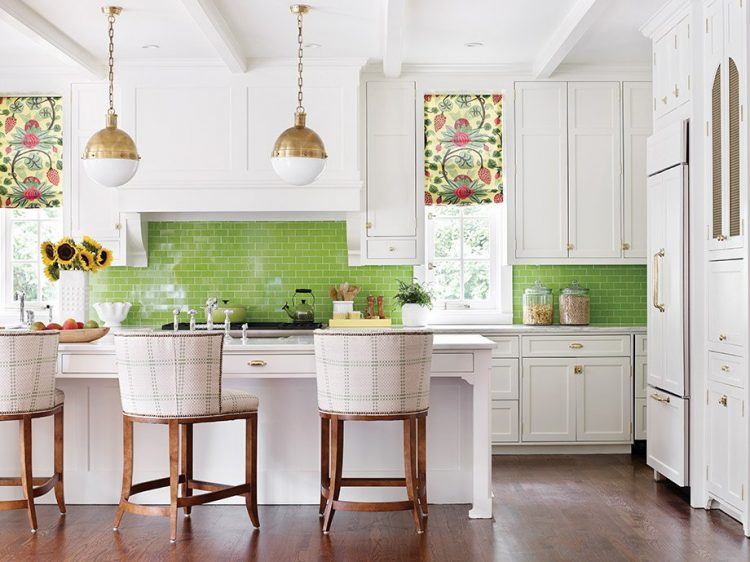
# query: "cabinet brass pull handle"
{"points": [[725, 368], [664, 100], [576, 346], [655, 282], [391, 248], [723, 400], [257, 363], [722, 337], [660, 398], [578, 369], [625, 246]]}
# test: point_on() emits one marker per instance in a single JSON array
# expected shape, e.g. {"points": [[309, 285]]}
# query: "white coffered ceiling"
{"points": [[524, 33]]}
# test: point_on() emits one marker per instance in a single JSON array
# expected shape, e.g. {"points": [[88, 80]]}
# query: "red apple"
{"points": [[80, 325], [70, 324], [54, 326]]}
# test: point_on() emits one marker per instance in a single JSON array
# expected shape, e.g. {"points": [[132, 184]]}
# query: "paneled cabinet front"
{"points": [[672, 61]]}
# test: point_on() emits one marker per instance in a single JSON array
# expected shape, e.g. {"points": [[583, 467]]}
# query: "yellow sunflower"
{"points": [[103, 258], [87, 259], [49, 253], [91, 245], [52, 272], [66, 251]]}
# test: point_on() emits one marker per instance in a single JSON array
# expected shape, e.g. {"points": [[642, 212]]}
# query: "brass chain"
{"points": [[111, 62], [300, 107]]}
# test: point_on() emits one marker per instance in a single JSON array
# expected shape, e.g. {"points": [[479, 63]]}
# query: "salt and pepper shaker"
{"points": [[192, 314], [244, 333], [370, 307], [227, 322], [381, 310]]}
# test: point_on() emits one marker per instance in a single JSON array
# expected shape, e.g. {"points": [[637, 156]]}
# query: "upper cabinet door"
{"points": [[663, 74], [637, 126], [541, 194], [391, 165], [595, 166]]}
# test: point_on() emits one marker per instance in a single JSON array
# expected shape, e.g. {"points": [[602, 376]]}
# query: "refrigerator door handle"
{"points": [[655, 281]]}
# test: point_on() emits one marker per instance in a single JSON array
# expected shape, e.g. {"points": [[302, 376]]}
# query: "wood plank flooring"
{"points": [[592, 507]]}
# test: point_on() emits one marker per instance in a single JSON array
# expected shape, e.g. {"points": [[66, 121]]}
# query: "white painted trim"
{"points": [[26, 20], [213, 25], [665, 17], [573, 26], [393, 37], [573, 448]]}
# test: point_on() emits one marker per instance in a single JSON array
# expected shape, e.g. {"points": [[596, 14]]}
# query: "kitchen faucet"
{"points": [[211, 305], [21, 296]]}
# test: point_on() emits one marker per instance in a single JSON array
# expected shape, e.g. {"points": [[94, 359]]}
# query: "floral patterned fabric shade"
{"points": [[30, 152], [463, 149]]}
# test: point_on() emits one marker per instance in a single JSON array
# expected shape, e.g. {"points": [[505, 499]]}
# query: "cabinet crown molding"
{"points": [[665, 17]]}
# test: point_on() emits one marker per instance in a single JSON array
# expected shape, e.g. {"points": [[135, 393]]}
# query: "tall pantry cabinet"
{"points": [[725, 50]]}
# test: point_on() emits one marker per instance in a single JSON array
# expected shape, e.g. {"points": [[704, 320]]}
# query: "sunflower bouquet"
{"points": [[66, 255]]}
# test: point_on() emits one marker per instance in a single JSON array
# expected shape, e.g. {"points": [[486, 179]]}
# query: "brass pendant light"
{"points": [[111, 157], [299, 155]]}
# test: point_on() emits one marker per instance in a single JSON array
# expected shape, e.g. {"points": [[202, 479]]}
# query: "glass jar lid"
{"points": [[575, 289], [537, 289]]}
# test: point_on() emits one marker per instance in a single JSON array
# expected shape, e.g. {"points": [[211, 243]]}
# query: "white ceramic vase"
{"points": [[113, 314], [74, 295], [414, 315]]}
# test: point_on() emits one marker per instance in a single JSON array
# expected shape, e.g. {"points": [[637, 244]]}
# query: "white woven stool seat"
{"points": [[28, 362], [373, 372]]}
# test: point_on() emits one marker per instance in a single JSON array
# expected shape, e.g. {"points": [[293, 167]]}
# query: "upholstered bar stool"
{"points": [[175, 379], [28, 362], [366, 375]]}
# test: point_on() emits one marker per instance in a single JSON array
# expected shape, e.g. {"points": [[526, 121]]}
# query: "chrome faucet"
{"points": [[176, 319], [21, 297], [227, 322], [211, 305], [29, 318], [192, 314], [244, 334]]}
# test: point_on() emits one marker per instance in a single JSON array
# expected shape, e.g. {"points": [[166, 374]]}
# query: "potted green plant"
{"points": [[415, 301]]}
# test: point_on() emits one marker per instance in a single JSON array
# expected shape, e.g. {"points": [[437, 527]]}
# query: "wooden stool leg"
{"points": [[337, 459], [422, 461], [410, 457], [325, 460], [59, 446], [251, 468], [187, 463], [174, 476], [27, 481], [127, 468]]}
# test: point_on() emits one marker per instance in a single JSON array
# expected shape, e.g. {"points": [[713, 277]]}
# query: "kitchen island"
{"points": [[281, 372]]}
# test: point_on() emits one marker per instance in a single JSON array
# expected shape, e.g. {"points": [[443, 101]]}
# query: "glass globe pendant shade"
{"points": [[111, 157], [299, 155]]}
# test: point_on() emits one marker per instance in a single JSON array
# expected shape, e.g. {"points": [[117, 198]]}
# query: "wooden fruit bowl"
{"points": [[82, 335]]}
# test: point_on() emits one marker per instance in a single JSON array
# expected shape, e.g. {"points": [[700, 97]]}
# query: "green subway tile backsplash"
{"points": [[618, 292], [256, 264]]}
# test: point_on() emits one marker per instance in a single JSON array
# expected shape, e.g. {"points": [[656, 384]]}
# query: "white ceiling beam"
{"points": [[213, 25], [27, 21], [573, 26], [393, 41]]}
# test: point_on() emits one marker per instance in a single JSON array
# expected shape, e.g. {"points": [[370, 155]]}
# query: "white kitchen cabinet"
{"points": [[672, 62], [726, 369], [604, 399], [541, 192], [504, 421], [727, 306], [727, 444], [504, 381], [641, 368], [667, 449], [548, 400], [594, 170], [637, 127], [640, 424], [390, 231]]}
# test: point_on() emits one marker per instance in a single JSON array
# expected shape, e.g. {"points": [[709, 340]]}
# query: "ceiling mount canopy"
{"points": [[111, 157], [299, 155]]}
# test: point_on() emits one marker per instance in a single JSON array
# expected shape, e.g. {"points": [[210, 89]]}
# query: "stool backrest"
{"points": [[169, 375], [28, 363], [371, 372]]}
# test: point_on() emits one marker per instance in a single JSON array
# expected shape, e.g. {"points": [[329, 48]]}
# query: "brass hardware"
{"points": [[723, 400], [368, 224], [625, 246], [391, 248], [430, 216], [430, 266], [725, 368], [722, 337], [655, 282], [664, 100], [721, 238], [660, 398], [676, 91], [570, 247], [118, 226], [257, 363], [578, 369], [576, 346]]}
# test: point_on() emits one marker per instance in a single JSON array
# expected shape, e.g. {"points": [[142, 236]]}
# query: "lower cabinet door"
{"points": [[504, 381], [548, 410], [604, 400], [666, 446], [505, 421], [727, 447], [640, 419]]}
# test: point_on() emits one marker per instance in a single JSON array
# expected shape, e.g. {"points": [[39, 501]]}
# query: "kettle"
{"points": [[302, 312]]}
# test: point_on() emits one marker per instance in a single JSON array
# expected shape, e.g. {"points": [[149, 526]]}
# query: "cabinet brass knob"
{"points": [[721, 238], [722, 337], [578, 369], [391, 248], [723, 400], [725, 368], [571, 247], [257, 363], [576, 346], [625, 246], [368, 225]]}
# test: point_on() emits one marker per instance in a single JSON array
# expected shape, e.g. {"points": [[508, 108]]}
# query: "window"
{"points": [[21, 233]]}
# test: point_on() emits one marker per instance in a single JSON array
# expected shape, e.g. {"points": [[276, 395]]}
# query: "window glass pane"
{"points": [[50, 230], [476, 211], [51, 213], [49, 290], [446, 280], [24, 279], [24, 236], [477, 280], [447, 211], [447, 240], [477, 238]]}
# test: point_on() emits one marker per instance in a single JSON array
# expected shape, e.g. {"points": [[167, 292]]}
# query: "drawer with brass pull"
{"points": [[727, 369], [250, 364], [576, 346], [392, 249]]}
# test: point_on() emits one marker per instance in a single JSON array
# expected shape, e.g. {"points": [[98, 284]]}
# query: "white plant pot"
{"points": [[74, 295], [414, 315]]}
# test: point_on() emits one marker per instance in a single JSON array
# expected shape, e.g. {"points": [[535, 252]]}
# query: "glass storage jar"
{"points": [[538, 308], [575, 307]]}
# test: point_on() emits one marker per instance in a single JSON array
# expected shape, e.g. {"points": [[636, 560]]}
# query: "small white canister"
{"points": [[341, 309]]}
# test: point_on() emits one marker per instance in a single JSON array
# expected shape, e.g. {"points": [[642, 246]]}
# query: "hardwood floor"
{"points": [[597, 507]]}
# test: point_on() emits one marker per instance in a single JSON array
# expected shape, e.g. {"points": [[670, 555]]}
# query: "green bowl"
{"points": [[239, 314]]}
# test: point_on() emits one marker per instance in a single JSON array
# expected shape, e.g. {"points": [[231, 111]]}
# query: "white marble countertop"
{"points": [[511, 329]]}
